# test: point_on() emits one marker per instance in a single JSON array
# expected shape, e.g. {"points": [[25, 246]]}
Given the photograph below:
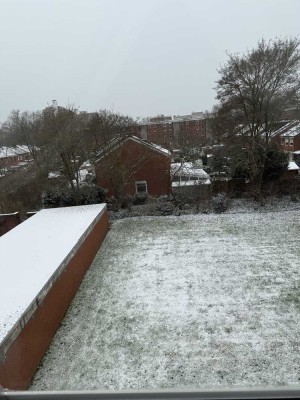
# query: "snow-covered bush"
{"points": [[165, 208], [220, 202]]}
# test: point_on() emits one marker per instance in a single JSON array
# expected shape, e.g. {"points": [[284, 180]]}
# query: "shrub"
{"points": [[220, 202], [73, 197], [139, 199], [166, 208]]}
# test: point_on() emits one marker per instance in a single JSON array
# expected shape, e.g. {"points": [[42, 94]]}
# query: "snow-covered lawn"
{"points": [[207, 301]]}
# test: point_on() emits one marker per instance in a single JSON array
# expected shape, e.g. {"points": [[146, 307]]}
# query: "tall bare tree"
{"points": [[66, 134], [253, 90], [25, 128], [258, 85], [104, 125]]}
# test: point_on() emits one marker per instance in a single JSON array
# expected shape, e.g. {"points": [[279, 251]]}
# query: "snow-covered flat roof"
{"points": [[188, 169], [32, 255], [191, 183]]}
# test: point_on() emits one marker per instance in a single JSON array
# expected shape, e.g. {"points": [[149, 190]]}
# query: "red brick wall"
{"points": [[8, 222], [160, 134], [194, 131], [294, 147], [24, 355], [144, 163], [296, 143]]}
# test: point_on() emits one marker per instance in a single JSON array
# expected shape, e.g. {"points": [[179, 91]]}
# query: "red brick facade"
{"points": [[193, 131], [287, 143], [129, 163], [288, 137], [160, 133], [175, 133]]}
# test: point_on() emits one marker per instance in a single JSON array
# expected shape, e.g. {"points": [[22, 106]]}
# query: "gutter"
{"points": [[247, 394]]}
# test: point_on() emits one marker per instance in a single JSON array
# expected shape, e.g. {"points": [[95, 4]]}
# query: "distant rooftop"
{"points": [[287, 129], [119, 140], [13, 151], [195, 115]]}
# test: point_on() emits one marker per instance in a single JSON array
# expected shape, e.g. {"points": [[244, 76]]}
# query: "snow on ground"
{"points": [[32, 252], [271, 204], [190, 302]]}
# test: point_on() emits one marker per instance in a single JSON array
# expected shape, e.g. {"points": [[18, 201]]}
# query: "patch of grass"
{"points": [[293, 296]]}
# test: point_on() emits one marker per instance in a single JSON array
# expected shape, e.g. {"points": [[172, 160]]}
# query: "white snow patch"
{"points": [[54, 174], [192, 182], [293, 166]]}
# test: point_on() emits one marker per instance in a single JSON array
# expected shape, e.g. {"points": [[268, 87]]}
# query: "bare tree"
{"points": [[25, 128], [103, 126], [66, 136], [260, 83], [253, 91]]}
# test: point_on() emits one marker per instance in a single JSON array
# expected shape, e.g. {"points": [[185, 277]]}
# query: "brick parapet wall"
{"points": [[22, 351], [8, 222]]}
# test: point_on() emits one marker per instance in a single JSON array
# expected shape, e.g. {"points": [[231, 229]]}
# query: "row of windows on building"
{"points": [[287, 140]]}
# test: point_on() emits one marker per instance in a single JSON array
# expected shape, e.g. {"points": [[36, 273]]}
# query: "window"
{"points": [[286, 141], [282, 140], [291, 141], [141, 187]]}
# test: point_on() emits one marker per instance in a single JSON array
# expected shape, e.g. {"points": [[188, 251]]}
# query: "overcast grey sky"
{"points": [[138, 57]]}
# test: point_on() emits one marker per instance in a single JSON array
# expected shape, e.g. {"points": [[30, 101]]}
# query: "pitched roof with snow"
{"points": [[288, 129], [13, 151], [293, 131], [119, 140]]}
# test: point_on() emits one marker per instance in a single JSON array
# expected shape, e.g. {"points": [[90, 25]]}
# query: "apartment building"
{"points": [[176, 131]]}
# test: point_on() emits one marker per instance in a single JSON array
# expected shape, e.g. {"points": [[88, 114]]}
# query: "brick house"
{"points": [[288, 136], [129, 165], [13, 156]]}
